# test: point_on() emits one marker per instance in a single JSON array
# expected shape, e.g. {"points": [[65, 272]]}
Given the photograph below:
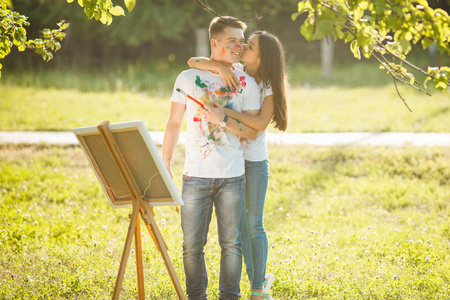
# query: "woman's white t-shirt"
{"points": [[256, 150]]}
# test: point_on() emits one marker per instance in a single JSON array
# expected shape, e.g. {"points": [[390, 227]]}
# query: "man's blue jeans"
{"points": [[255, 245], [199, 196]]}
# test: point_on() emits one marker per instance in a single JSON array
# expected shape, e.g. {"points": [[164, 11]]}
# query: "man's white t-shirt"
{"points": [[211, 151], [256, 150]]}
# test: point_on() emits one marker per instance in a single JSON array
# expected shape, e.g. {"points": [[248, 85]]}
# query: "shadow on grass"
{"points": [[433, 115]]}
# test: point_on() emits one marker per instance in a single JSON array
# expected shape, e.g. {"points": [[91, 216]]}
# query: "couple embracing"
{"points": [[226, 164]]}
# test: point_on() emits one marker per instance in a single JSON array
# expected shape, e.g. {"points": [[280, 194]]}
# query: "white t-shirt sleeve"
{"points": [[238, 66], [268, 91], [180, 83]]}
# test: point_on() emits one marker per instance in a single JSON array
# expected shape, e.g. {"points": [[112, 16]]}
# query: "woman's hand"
{"points": [[229, 78], [213, 113]]}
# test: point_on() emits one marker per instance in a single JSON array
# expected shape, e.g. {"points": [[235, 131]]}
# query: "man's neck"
{"points": [[219, 60]]}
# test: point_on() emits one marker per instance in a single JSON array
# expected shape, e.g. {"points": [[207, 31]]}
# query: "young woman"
{"points": [[263, 58]]}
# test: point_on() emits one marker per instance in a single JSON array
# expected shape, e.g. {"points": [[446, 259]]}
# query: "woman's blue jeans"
{"points": [[199, 196], [255, 245]]}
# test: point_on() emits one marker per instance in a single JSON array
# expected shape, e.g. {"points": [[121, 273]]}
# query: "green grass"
{"points": [[157, 77], [358, 97], [343, 223], [326, 109], [53, 109]]}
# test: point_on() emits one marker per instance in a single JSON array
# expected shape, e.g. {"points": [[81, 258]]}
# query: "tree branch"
{"points": [[398, 92], [388, 68], [380, 44], [207, 8], [415, 81], [210, 10], [396, 78]]}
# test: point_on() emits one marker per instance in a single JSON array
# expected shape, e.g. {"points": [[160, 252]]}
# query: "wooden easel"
{"points": [[140, 208]]}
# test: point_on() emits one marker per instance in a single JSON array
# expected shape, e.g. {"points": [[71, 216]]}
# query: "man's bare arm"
{"points": [[172, 133]]}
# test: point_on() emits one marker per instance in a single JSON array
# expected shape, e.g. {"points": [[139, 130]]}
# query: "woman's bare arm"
{"points": [[258, 121], [215, 114], [225, 72]]}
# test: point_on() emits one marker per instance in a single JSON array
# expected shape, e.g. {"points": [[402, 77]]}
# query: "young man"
{"points": [[213, 173]]}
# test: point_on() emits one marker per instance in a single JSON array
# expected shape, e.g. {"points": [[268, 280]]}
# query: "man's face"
{"points": [[228, 45]]}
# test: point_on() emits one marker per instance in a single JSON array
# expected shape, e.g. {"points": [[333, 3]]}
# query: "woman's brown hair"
{"points": [[273, 74]]}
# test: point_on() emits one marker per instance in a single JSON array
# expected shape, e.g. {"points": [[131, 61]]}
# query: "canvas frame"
{"points": [[140, 154]]}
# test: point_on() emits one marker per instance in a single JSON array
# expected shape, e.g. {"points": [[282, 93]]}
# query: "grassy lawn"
{"points": [[359, 97], [343, 223]]}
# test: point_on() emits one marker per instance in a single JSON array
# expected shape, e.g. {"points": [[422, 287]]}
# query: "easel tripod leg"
{"points": [[139, 264], [125, 253], [162, 247]]}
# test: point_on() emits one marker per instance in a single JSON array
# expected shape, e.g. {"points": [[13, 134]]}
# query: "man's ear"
{"points": [[213, 43]]}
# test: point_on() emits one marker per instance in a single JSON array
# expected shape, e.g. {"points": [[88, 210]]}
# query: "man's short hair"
{"points": [[218, 25]]}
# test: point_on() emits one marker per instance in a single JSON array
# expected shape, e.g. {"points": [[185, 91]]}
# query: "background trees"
{"points": [[157, 30], [152, 30]]}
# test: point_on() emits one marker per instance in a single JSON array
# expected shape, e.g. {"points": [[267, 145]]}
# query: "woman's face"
{"points": [[250, 56]]}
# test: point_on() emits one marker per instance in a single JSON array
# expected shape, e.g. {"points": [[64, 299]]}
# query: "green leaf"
{"points": [[426, 80], [424, 3], [380, 6], [348, 37], [117, 11], [364, 4], [106, 18], [307, 30], [355, 49], [89, 12], [130, 4], [441, 12], [411, 78], [23, 32], [63, 25], [18, 39], [426, 42], [408, 35], [301, 7], [366, 51], [358, 14], [48, 56], [324, 28], [441, 85], [337, 32], [405, 45]]}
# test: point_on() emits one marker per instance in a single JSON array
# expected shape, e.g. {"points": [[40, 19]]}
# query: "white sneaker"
{"points": [[268, 283]]}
